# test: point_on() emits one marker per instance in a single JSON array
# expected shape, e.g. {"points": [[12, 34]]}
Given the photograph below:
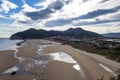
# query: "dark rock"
{"points": [[20, 43], [13, 73]]}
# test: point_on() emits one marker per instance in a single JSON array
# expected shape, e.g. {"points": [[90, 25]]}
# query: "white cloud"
{"points": [[6, 34], [101, 29], [16, 26], [112, 16], [1, 16], [41, 4], [7, 5], [7, 31], [74, 9], [108, 4], [1, 10], [20, 16], [78, 7], [27, 8]]}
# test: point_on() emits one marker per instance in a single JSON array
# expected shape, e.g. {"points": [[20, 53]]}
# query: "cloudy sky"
{"points": [[101, 16]]}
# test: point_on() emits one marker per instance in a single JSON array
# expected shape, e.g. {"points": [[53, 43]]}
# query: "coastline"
{"points": [[20, 43], [89, 67], [7, 60]]}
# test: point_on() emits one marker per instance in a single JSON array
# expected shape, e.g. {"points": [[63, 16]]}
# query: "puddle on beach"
{"points": [[58, 56], [77, 67], [26, 65], [42, 60], [14, 68]]}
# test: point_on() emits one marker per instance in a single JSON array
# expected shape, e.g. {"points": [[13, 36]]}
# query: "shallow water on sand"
{"points": [[36, 65], [7, 44], [58, 56], [41, 60]]}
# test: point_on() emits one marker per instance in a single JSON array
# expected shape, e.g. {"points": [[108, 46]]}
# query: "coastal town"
{"points": [[109, 48], [102, 42]]}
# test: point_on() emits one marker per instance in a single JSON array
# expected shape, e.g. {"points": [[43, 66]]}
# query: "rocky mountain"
{"points": [[112, 35], [40, 34]]}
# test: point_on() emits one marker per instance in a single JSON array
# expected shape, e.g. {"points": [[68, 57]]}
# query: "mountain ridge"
{"points": [[40, 34]]}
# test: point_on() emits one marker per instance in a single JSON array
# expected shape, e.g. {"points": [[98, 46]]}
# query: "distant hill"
{"points": [[112, 35], [40, 34]]}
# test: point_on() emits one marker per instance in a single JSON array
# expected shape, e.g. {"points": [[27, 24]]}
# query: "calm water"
{"points": [[27, 65], [7, 44]]}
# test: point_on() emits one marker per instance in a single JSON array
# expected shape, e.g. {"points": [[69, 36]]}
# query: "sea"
{"points": [[7, 44]]}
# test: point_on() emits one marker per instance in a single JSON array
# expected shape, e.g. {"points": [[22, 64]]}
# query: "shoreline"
{"points": [[20, 43], [56, 69], [7, 60]]}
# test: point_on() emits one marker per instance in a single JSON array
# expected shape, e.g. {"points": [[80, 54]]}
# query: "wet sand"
{"points": [[90, 68], [29, 69], [90, 65], [7, 59], [28, 49], [61, 71]]}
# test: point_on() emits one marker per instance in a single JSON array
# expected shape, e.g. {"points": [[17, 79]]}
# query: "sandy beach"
{"points": [[90, 65], [48, 60], [7, 59]]}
